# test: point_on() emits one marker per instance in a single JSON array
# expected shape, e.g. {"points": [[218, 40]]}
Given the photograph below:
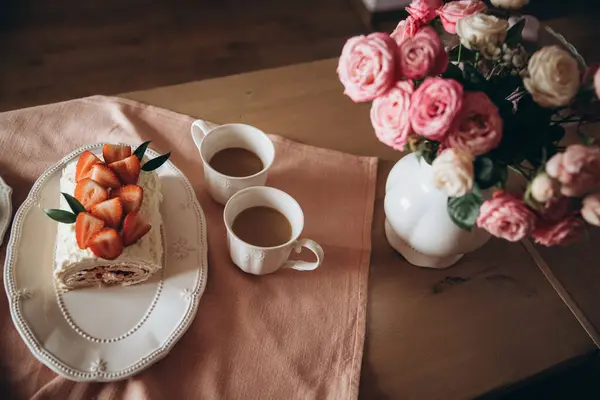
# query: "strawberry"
{"points": [[84, 165], [90, 193], [134, 228], [86, 225], [128, 170], [104, 176], [110, 211], [106, 244], [113, 153], [131, 196]]}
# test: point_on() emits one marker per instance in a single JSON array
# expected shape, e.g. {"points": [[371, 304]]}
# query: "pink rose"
{"points": [[451, 12], [424, 10], [434, 106], [389, 115], [563, 232], [591, 209], [367, 67], [506, 216], [478, 126], [557, 209], [422, 55], [406, 28], [577, 169]]}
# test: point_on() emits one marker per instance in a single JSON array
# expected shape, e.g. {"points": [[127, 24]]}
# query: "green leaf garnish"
{"points": [[141, 150], [61, 216], [156, 162], [74, 204], [464, 210]]}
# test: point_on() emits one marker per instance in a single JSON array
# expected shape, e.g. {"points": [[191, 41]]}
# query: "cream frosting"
{"points": [[74, 267]]}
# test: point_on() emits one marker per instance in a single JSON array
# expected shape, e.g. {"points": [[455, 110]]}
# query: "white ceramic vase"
{"points": [[417, 224]]}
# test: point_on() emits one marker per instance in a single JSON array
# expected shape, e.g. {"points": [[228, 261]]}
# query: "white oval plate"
{"points": [[5, 208], [105, 334]]}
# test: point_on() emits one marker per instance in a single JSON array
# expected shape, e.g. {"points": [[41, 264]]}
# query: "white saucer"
{"points": [[105, 334]]}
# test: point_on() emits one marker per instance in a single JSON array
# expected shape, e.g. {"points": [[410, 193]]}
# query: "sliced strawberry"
{"points": [[131, 196], [106, 244], [90, 193], [134, 228], [128, 170], [86, 225], [114, 152], [110, 211], [84, 165], [104, 176]]}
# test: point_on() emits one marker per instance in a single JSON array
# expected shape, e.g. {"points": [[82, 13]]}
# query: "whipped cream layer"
{"points": [[75, 268]]}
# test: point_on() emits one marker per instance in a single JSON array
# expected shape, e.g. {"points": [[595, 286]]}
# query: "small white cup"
{"points": [[265, 260], [211, 140]]}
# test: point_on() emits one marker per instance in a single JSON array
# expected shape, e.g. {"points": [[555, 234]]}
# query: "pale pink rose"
{"points": [[563, 232], [424, 10], [367, 67], [422, 55], [451, 12], [591, 209], [406, 28], [597, 83], [543, 188], [389, 115], [506, 216], [577, 169], [434, 106], [478, 126]]}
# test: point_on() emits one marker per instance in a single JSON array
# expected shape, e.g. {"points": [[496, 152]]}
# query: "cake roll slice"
{"points": [[76, 268]]}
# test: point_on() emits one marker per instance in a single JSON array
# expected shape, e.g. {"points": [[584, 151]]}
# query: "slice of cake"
{"points": [[113, 236]]}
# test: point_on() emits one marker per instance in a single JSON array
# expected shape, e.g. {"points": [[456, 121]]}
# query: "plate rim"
{"points": [[14, 296]]}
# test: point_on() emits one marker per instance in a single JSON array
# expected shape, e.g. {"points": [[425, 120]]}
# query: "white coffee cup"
{"points": [[265, 260], [211, 140]]}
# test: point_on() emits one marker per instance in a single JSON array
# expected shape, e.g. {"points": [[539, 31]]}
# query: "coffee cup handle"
{"points": [[300, 265], [199, 130]]}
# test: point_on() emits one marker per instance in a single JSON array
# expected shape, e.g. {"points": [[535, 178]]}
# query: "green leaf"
{"points": [[139, 152], [74, 204], [62, 216], [514, 35], [453, 72], [155, 163], [488, 172], [464, 210], [428, 150]]}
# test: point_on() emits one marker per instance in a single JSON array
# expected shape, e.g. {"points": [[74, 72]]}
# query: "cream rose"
{"points": [[553, 77], [481, 31], [453, 172], [591, 209], [543, 188], [509, 4]]}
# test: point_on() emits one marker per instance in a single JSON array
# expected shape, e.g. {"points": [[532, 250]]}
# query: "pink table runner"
{"points": [[290, 335]]}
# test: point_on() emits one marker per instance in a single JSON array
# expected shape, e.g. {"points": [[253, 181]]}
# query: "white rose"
{"points": [[509, 4], [453, 172], [591, 209], [543, 188], [552, 77], [481, 31]]}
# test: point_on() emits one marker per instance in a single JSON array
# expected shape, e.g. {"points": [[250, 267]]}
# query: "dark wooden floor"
{"points": [[53, 50]]}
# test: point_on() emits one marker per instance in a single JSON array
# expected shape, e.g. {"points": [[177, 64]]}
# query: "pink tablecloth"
{"points": [[290, 335]]}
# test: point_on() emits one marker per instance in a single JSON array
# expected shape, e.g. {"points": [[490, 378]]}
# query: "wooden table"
{"points": [[489, 322]]}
